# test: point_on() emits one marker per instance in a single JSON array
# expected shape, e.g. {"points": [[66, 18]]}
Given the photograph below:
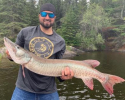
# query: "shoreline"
{"points": [[69, 53]]}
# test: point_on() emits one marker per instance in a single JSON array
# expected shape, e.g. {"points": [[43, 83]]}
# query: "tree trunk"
{"points": [[122, 10]]}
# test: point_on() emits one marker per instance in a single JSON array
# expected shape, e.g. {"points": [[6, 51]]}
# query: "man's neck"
{"points": [[48, 31]]}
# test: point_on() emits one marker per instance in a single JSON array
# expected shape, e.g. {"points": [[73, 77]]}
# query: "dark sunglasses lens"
{"points": [[51, 15], [43, 14]]}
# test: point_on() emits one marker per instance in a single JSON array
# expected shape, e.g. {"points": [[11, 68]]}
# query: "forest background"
{"points": [[84, 24]]}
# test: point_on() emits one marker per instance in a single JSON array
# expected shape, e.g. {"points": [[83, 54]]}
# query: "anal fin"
{"points": [[88, 82]]}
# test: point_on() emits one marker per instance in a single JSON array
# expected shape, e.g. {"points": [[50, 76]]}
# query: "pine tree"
{"points": [[16, 14], [32, 15], [70, 26], [11, 20]]}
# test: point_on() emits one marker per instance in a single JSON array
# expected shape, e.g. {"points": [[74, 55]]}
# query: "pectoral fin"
{"points": [[23, 71], [88, 82]]}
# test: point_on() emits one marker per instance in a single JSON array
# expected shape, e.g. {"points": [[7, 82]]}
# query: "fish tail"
{"points": [[110, 81]]}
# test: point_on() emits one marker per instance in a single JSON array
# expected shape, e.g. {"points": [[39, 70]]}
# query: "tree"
{"points": [[16, 14], [70, 26], [93, 20], [31, 12], [11, 20]]}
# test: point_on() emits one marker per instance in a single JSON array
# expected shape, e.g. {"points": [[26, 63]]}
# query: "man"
{"points": [[46, 43]]}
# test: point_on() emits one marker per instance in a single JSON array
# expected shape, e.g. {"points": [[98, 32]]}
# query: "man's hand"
{"points": [[67, 73]]}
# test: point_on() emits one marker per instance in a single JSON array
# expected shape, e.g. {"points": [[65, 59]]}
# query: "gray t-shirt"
{"points": [[45, 46]]}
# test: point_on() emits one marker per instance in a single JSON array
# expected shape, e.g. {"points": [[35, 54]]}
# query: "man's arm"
{"points": [[67, 73]]}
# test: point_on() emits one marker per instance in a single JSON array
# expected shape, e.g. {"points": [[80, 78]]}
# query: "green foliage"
{"points": [[80, 25], [114, 8], [16, 14], [68, 48], [0, 57], [91, 41], [31, 17], [94, 20], [122, 34], [120, 40], [70, 27]]}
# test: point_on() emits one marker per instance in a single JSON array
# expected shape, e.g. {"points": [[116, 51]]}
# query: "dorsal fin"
{"points": [[93, 63]]}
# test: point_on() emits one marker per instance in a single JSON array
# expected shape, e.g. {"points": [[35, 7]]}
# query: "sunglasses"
{"points": [[44, 14]]}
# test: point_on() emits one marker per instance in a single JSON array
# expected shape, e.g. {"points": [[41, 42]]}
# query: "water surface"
{"points": [[111, 62]]}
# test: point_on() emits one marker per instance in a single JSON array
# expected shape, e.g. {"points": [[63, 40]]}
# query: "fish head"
{"points": [[17, 53]]}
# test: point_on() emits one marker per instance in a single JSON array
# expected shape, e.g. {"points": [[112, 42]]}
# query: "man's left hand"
{"points": [[67, 73]]}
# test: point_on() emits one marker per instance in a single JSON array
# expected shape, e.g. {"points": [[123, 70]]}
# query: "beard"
{"points": [[46, 25]]}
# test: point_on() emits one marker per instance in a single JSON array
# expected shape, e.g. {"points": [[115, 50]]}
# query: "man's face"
{"points": [[46, 21]]}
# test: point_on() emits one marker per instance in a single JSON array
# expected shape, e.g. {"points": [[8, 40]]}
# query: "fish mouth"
{"points": [[9, 44], [7, 41]]}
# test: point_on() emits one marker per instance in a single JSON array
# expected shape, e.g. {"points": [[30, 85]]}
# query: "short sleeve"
{"points": [[20, 39], [59, 54]]}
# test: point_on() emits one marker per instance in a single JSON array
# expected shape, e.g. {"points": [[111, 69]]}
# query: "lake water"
{"points": [[111, 63]]}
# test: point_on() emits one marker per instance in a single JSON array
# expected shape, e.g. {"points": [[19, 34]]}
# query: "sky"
{"points": [[87, 0]]}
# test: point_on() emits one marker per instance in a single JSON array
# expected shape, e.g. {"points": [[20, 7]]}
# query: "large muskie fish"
{"points": [[54, 67]]}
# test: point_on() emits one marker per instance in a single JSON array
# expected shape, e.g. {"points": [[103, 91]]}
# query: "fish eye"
{"points": [[18, 47]]}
